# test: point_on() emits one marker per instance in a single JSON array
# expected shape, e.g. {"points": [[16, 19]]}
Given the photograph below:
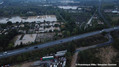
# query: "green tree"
{"points": [[19, 58], [68, 33], [11, 45], [75, 31], [69, 58], [9, 23]]}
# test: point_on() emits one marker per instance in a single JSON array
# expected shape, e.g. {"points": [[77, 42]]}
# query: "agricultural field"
{"points": [[25, 39]]}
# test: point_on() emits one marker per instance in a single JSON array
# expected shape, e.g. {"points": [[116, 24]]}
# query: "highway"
{"points": [[52, 43]]}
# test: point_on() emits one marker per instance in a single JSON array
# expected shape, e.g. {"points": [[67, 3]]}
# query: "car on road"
{"points": [[61, 41], [5, 52], [115, 28], [35, 47], [26, 48], [102, 31]]}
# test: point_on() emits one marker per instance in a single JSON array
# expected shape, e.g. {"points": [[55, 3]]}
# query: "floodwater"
{"points": [[29, 19], [1, 3], [68, 7], [28, 38]]}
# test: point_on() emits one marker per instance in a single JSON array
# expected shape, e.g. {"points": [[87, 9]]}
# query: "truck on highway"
{"points": [[47, 58]]}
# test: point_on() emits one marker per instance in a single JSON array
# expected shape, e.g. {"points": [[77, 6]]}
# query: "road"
{"points": [[93, 46], [74, 59], [75, 56], [97, 45], [101, 15], [90, 20], [52, 43]]}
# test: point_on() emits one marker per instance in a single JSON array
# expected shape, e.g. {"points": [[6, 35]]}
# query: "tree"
{"points": [[68, 33], [116, 44], [104, 33], [69, 58], [17, 23], [11, 45], [9, 23], [75, 31], [56, 25], [71, 47], [19, 58]]}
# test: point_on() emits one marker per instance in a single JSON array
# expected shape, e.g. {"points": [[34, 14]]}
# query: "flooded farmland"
{"points": [[27, 39], [68, 7], [29, 19]]}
